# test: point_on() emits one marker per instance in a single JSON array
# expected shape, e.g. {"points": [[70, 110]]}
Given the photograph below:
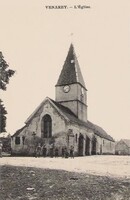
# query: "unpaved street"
{"points": [[115, 166]]}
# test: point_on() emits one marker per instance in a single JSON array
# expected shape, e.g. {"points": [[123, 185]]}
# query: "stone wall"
{"points": [[105, 146], [34, 126], [71, 95], [77, 130]]}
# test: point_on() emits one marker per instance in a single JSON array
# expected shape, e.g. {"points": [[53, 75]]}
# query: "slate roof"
{"points": [[73, 118], [71, 72], [18, 132]]}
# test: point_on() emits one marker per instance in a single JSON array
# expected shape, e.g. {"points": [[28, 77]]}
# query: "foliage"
{"points": [[6, 141], [5, 75], [32, 142], [52, 140], [3, 113]]}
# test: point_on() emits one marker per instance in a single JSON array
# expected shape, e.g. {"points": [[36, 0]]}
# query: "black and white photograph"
{"points": [[64, 100]]}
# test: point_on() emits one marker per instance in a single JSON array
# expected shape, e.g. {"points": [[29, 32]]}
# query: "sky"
{"points": [[35, 41]]}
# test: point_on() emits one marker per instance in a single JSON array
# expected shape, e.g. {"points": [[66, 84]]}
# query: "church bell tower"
{"points": [[71, 91]]}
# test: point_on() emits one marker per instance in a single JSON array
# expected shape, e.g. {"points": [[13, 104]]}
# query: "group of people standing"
{"points": [[54, 151], [66, 153]]}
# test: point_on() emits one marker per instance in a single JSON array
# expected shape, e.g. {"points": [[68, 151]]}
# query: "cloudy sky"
{"points": [[35, 41]]}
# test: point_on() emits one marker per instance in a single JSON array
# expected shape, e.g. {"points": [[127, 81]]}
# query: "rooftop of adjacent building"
{"points": [[126, 141]]}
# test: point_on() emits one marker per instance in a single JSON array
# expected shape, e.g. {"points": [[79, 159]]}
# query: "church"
{"points": [[63, 122]]}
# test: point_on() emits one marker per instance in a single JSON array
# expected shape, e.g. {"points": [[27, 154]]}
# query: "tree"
{"points": [[3, 113], [5, 75]]}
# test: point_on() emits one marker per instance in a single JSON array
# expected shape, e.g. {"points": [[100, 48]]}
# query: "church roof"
{"points": [[18, 131], [73, 118], [71, 72]]}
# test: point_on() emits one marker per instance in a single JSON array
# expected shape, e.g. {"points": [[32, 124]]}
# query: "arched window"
{"points": [[46, 126]]}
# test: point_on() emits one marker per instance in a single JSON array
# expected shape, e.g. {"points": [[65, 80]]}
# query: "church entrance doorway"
{"points": [[94, 145], [81, 144], [87, 146]]}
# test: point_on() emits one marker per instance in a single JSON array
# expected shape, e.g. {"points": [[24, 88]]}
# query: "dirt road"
{"points": [[113, 166]]}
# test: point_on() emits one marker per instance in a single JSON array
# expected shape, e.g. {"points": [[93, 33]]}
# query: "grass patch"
{"points": [[25, 183]]}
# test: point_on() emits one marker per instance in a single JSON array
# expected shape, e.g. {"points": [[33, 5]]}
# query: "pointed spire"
{"points": [[71, 72]]}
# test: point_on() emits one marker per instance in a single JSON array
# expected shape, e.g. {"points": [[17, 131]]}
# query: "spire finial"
{"points": [[72, 37]]}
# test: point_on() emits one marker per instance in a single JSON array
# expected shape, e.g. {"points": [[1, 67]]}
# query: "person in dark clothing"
{"points": [[51, 151], [56, 152], [71, 152], [66, 153], [44, 151], [1, 145], [38, 150], [63, 152]]}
